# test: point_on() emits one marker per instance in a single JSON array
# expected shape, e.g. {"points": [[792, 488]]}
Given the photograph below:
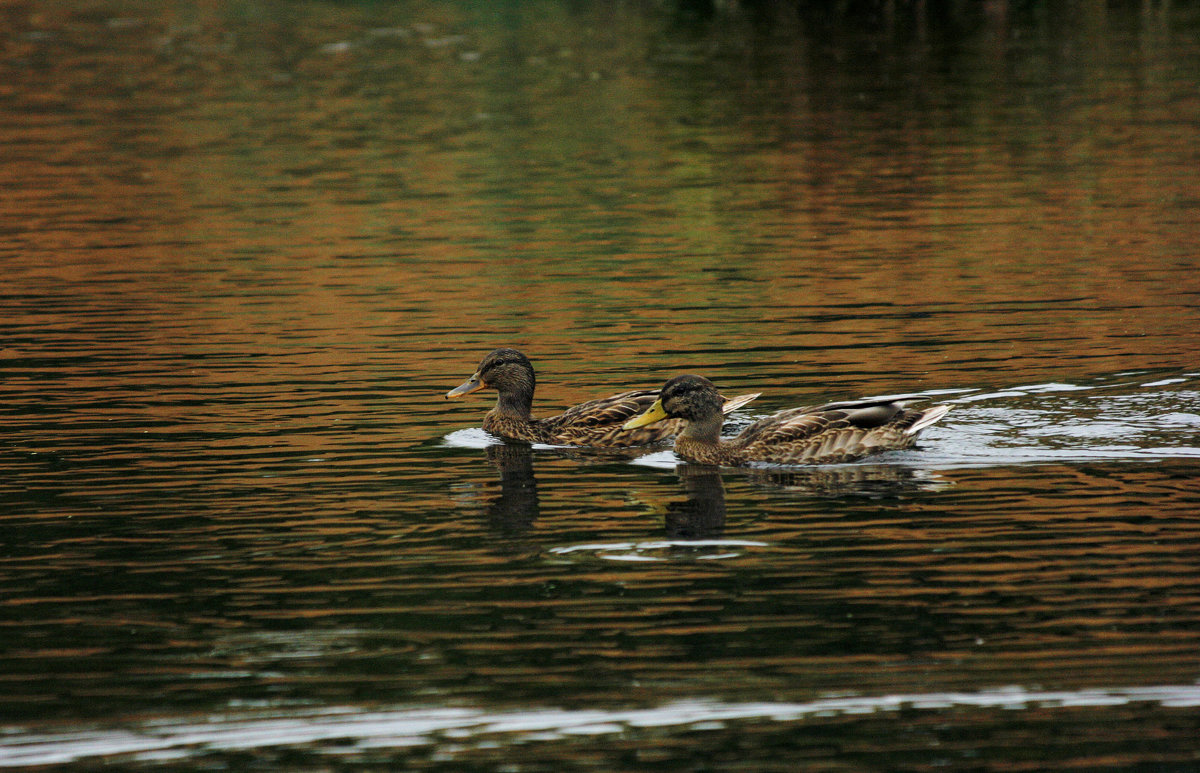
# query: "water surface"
{"points": [[249, 246]]}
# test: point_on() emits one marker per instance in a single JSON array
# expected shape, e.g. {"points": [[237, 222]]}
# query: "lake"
{"points": [[250, 244]]}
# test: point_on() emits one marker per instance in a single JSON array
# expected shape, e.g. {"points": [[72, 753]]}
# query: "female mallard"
{"points": [[594, 423], [837, 432]]}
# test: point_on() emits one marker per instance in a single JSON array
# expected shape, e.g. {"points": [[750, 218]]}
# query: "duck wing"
{"points": [[619, 409], [835, 432], [605, 411], [600, 422]]}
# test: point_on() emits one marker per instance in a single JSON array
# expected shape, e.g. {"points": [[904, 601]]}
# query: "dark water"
{"points": [[248, 246]]}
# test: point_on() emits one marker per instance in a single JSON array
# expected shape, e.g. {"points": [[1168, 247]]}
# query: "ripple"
{"points": [[477, 438], [356, 731], [472, 437], [660, 460], [644, 551], [1048, 423]]}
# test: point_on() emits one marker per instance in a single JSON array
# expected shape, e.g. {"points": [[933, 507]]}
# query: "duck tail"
{"points": [[928, 417], [733, 403]]}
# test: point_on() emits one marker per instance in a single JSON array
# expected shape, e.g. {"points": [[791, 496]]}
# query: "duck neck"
{"points": [[515, 403], [703, 431]]}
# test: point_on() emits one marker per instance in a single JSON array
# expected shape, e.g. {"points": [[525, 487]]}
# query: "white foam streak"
{"points": [[355, 731]]}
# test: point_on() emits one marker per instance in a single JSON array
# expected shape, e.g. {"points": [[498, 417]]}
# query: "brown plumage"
{"points": [[595, 423], [836, 432]]}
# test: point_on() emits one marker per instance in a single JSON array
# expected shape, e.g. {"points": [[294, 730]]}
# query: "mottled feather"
{"points": [[594, 423], [836, 432]]}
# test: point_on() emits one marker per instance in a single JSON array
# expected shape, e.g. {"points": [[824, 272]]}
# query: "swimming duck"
{"points": [[836, 432], [594, 423]]}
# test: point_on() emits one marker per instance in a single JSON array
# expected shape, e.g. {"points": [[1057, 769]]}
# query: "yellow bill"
{"points": [[474, 384], [653, 414]]}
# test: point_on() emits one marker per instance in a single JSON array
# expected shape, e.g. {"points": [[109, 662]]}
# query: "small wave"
{"points": [[660, 460], [1045, 423], [355, 731], [645, 551], [473, 437], [477, 438]]}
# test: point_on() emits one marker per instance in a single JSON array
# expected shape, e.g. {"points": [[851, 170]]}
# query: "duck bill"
{"points": [[466, 388], [653, 414]]}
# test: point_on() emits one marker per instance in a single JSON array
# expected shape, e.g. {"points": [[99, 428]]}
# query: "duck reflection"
{"points": [[516, 506], [871, 480], [701, 513]]}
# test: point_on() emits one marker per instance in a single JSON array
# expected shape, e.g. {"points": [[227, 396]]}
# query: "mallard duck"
{"points": [[836, 432], [594, 423]]}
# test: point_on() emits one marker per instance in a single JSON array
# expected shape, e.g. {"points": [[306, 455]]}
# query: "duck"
{"points": [[594, 423], [825, 434]]}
